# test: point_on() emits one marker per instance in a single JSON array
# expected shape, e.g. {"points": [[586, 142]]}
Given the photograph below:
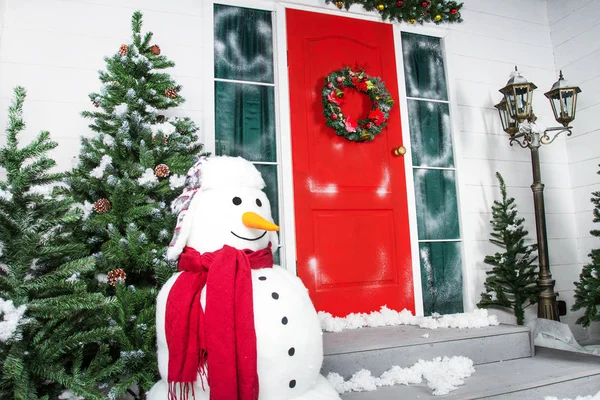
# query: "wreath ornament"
{"points": [[363, 130]]}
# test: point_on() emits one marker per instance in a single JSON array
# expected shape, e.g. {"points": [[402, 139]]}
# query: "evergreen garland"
{"points": [[411, 11], [587, 290], [511, 283], [42, 304], [129, 171]]}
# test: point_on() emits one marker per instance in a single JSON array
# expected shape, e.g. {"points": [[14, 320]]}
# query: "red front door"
{"points": [[353, 244]]}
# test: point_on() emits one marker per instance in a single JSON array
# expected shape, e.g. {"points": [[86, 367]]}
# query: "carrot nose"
{"points": [[253, 220]]}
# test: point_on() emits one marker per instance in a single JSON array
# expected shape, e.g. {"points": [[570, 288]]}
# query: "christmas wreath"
{"points": [[336, 85]]}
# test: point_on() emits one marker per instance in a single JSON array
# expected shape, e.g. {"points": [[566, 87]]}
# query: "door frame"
{"points": [[283, 126]]}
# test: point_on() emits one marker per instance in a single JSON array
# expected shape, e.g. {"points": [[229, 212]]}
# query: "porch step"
{"points": [[549, 373], [378, 349]]}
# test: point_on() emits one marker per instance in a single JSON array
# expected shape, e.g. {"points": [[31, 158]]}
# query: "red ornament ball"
{"points": [[115, 276], [333, 117], [338, 79], [424, 4], [329, 85], [369, 125], [453, 11], [399, 3]]}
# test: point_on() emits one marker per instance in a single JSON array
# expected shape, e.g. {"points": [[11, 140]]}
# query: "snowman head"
{"points": [[223, 204]]}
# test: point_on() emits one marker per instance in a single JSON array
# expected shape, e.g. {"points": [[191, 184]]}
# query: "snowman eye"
{"points": [[258, 202], [237, 201]]}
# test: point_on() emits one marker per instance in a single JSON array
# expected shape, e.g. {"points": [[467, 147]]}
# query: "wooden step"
{"points": [[378, 349], [549, 373]]}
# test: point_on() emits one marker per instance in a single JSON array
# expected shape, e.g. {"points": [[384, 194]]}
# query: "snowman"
{"points": [[231, 325]]}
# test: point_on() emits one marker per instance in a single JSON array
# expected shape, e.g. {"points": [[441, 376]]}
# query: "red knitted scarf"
{"points": [[223, 336]]}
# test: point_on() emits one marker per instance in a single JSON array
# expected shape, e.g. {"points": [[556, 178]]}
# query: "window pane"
{"points": [[424, 67], [243, 44], [269, 174], [441, 277], [437, 209], [245, 121], [430, 137]]}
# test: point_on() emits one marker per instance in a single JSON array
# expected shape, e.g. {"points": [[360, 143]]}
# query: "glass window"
{"points": [[434, 174], [245, 93]]}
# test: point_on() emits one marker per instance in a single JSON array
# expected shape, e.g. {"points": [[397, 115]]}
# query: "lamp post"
{"points": [[518, 120]]}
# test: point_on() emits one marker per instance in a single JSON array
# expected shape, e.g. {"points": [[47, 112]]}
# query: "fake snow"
{"points": [[590, 397], [102, 278], [74, 277], [176, 181], [120, 110], [148, 178], [386, 317], [165, 127], [87, 208], [130, 93], [6, 194], [443, 375], [68, 395], [11, 318], [108, 140], [98, 172]]}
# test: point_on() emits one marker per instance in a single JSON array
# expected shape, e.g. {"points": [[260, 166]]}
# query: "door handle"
{"points": [[399, 151]]}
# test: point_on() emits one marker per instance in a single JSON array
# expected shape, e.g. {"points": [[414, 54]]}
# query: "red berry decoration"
{"points": [[102, 206], [115, 276], [453, 11], [95, 104], [424, 4], [399, 3]]}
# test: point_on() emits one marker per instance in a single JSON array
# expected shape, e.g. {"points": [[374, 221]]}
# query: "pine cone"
{"points": [[154, 49], [102, 206], [171, 93], [115, 276], [123, 50], [162, 170]]}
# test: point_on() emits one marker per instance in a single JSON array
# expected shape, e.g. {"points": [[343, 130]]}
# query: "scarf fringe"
{"points": [[184, 388]]}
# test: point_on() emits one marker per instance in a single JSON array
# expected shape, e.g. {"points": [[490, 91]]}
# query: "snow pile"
{"points": [[590, 397], [68, 395], [443, 375], [165, 127], [6, 194], [147, 178], [121, 110], [176, 181], [386, 317], [11, 317], [98, 172]]}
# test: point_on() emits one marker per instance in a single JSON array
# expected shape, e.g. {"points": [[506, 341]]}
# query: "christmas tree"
{"points": [[129, 171], [511, 283], [587, 290], [42, 303]]}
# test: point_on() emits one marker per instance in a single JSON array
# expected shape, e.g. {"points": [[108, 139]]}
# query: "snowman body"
{"points": [[288, 332]]}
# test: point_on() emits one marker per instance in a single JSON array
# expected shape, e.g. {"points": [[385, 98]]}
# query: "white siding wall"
{"points": [[575, 28], [54, 48]]}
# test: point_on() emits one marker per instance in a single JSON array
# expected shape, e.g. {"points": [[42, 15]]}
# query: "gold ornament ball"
{"points": [[115, 276], [162, 170], [339, 4], [438, 17], [123, 50], [412, 21], [102, 206], [380, 7]]}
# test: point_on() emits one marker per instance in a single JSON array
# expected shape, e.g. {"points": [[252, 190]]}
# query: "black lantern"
{"points": [[563, 99], [509, 124], [518, 94]]}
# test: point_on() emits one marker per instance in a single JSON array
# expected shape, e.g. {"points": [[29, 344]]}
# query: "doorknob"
{"points": [[399, 151]]}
